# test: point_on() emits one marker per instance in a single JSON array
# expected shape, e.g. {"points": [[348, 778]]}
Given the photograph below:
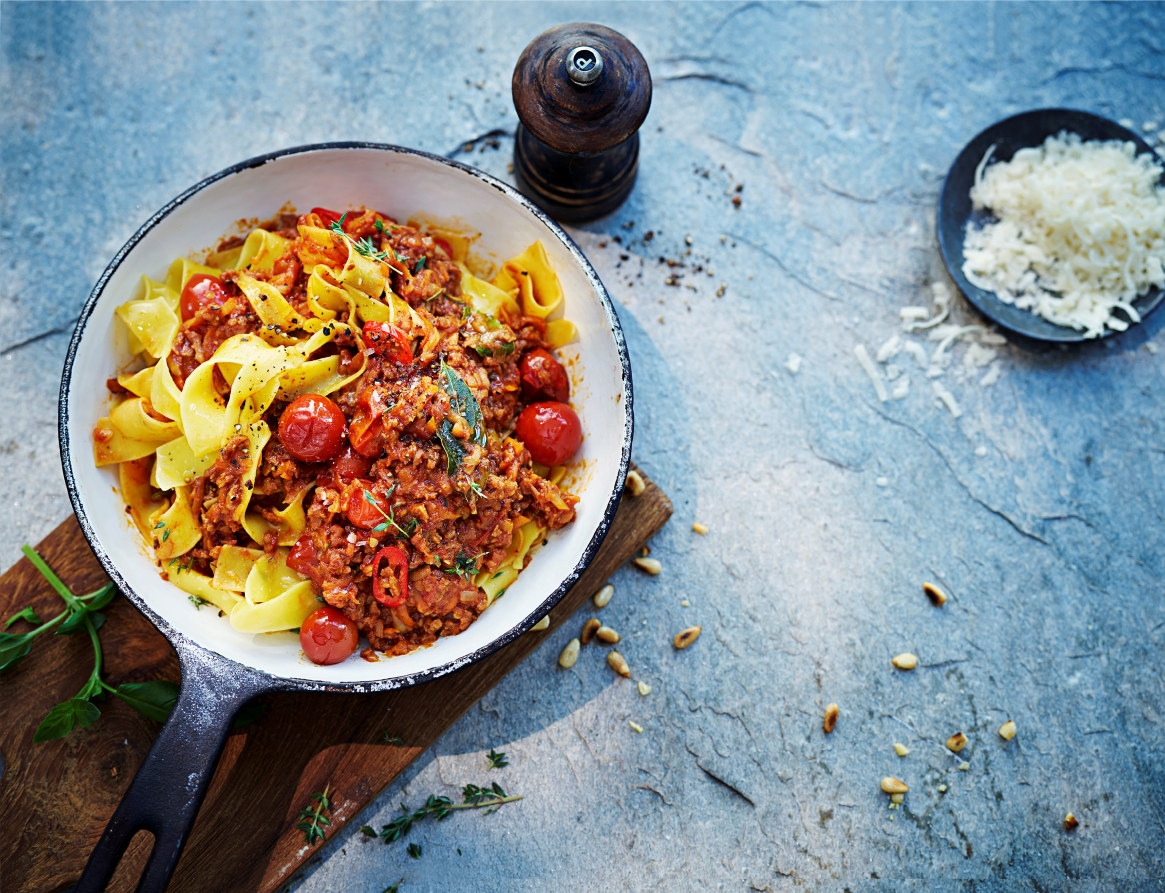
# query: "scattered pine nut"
{"points": [[942, 788], [569, 654], [542, 624], [1007, 730], [644, 688], [685, 604], [686, 637], [699, 528], [618, 663], [893, 785], [897, 798], [956, 742], [635, 727], [635, 483], [937, 597], [648, 565], [603, 596], [905, 661], [901, 749], [589, 629], [608, 635], [964, 766], [1071, 823], [829, 723]]}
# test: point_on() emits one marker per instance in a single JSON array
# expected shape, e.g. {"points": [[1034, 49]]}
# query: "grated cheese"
{"points": [[872, 371], [1079, 231]]}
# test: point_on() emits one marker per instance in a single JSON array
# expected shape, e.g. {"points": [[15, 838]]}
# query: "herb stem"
{"points": [[47, 572]]}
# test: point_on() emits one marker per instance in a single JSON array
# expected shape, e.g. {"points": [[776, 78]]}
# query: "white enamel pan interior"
{"points": [[404, 184]]}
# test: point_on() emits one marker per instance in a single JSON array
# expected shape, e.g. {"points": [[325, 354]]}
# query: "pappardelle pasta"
{"points": [[333, 425]]}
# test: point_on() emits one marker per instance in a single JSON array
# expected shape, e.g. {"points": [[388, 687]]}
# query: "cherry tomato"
{"points": [[444, 246], [349, 465], [551, 432], [303, 557], [201, 290], [388, 341], [328, 636], [543, 377], [365, 509], [311, 428]]}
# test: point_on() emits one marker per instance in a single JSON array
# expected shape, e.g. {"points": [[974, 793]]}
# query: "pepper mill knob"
{"points": [[581, 91]]}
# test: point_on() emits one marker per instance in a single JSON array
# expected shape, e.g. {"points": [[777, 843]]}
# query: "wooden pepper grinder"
{"points": [[581, 91]]}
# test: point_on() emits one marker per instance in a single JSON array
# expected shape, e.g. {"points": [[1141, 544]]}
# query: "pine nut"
{"points": [[897, 798], [608, 635], [648, 565], [964, 766], [569, 654], [589, 629], [603, 596], [893, 785], [1071, 823], [905, 661], [937, 597], [635, 483], [956, 742], [1007, 730], [829, 723], [686, 637], [901, 749], [542, 624], [699, 528], [644, 688], [618, 663]]}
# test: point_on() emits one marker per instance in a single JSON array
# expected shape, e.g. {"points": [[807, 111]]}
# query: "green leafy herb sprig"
{"points": [[496, 760], [490, 799], [365, 246], [462, 402], [312, 819], [154, 699], [389, 521], [464, 566]]}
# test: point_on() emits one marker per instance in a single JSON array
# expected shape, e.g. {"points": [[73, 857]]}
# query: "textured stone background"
{"points": [[1040, 508]]}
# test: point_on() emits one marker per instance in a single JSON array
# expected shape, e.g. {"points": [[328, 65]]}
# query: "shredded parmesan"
{"points": [[947, 398], [1079, 231], [872, 371], [793, 364]]}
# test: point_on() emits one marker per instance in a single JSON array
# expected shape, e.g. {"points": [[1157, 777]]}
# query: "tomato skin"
{"points": [[349, 465], [201, 290], [328, 636], [311, 428], [388, 341], [303, 557], [551, 432], [364, 513], [543, 377], [327, 216]]}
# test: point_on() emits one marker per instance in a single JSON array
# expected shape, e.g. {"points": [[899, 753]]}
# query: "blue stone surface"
{"points": [[1038, 508]]}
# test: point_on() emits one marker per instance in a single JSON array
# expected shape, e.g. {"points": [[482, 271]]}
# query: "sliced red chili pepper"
{"points": [[328, 217], [388, 341], [398, 561]]}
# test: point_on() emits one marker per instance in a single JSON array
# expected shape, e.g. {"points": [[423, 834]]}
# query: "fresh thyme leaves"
{"points": [[464, 566], [420, 265], [180, 565], [496, 760], [312, 819], [393, 888], [490, 799], [394, 740], [379, 224], [198, 601], [476, 488], [338, 225], [367, 830], [414, 850], [389, 521], [154, 699]]}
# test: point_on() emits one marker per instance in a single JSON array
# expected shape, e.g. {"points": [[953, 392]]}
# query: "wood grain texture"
{"points": [[56, 797]]}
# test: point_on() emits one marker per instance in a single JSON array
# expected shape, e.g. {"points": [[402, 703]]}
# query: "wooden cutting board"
{"points": [[56, 797]]}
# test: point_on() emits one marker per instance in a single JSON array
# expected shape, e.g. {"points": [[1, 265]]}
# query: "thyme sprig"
{"points": [[154, 699], [367, 248], [312, 819], [489, 799], [496, 760], [389, 520], [464, 566]]}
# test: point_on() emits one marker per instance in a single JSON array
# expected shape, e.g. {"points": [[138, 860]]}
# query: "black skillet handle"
{"points": [[168, 789]]}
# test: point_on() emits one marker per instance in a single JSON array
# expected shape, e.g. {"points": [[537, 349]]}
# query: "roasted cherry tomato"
{"points": [[327, 216], [303, 557], [398, 565], [551, 432], [365, 509], [311, 428], [388, 341], [201, 290], [328, 636], [349, 465], [543, 377]]}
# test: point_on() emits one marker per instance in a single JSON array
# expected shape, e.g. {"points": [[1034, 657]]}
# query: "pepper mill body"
{"points": [[581, 92]]}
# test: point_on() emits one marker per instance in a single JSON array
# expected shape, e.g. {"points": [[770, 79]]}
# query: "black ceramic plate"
{"points": [[954, 208]]}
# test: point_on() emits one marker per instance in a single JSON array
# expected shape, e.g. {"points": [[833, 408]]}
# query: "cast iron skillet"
{"points": [[222, 669], [954, 208]]}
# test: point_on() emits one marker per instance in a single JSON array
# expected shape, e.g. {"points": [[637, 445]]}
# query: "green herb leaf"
{"points": [[29, 615], [368, 830], [454, 451], [420, 265], [154, 699], [13, 648], [198, 601], [393, 888], [99, 598], [496, 760], [313, 819], [415, 851], [74, 713], [463, 402]]}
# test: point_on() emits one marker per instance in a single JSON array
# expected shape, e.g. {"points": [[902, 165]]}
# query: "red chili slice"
{"points": [[398, 561], [388, 341], [327, 216]]}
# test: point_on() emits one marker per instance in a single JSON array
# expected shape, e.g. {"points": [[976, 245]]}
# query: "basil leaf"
{"points": [[12, 649], [154, 699], [102, 597], [66, 716], [454, 451]]}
